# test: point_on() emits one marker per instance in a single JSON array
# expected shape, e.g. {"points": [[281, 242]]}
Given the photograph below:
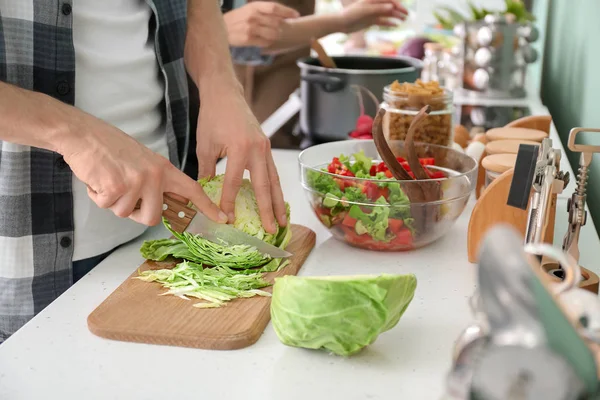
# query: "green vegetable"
{"points": [[400, 205], [376, 222], [354, 195], [199, 250], [323, 183], [360, 228], [338, 314], [326, 220], [216, 286], [159, 250], [247, 217], [330, 200], [361, 163]]}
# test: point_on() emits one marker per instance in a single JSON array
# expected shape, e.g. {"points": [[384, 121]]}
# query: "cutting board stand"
{"points": [[135, 311]]}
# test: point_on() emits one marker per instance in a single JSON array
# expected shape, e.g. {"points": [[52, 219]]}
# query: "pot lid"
{"points": [[507, 146], [499, 163], [516, 134]]}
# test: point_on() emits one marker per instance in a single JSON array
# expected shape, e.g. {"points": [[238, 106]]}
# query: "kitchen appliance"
{"points": [[524, 343], [135, 311], [330, 104], [537, 167], [577, 214], [576, 204]]}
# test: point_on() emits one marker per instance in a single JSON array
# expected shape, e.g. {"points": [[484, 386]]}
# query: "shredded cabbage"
{"points": [[215, 286]]}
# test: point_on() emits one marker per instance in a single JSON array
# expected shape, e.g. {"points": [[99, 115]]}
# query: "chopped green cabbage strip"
{"points": [[215, 286], [338, 314]]}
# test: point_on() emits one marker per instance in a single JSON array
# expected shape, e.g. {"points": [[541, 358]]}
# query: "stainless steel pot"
{"points": [[330, 102]]}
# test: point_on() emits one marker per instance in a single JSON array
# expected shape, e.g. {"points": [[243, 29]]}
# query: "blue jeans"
{"points": [[82, 267]]}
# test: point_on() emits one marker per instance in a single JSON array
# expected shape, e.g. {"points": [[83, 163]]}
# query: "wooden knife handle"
{"points": [[177, 213]]}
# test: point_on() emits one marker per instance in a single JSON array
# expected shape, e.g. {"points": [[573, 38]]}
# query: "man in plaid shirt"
{"points": [[94, 104]]}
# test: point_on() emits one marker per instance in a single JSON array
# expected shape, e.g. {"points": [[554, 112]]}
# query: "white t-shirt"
{"points": [[119, 81]]}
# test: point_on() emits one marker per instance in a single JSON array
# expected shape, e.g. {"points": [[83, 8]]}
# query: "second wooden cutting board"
{"points": [[135, 312]]}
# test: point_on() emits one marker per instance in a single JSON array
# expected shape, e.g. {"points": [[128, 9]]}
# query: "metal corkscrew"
{"points": [[576, 203], [537, 168]]}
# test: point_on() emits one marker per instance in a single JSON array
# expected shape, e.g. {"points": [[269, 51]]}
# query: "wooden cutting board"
{"points": [[135, 312]]}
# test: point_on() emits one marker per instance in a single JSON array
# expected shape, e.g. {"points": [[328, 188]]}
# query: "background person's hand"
{"points": [[257, 23], [363, 14], [119, 171], [227, 127]]}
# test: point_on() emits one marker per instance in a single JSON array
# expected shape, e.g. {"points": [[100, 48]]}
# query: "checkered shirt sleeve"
{"points": [[36, 204]]}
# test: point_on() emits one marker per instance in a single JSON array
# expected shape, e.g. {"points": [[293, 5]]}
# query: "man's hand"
{"points": [[119, 171], [227, 127], [364, 13], [258, 23]]}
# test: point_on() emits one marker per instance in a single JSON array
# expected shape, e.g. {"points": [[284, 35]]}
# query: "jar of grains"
{"points": [[402, 101]]}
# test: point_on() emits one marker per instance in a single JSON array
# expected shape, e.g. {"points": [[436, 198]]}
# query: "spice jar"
{"points": [[431, 62], [496, 164], [507, 146], [533, 135], [403, 101]]}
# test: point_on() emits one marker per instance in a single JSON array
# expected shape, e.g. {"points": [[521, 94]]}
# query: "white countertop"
{"points": [[55, 356]]}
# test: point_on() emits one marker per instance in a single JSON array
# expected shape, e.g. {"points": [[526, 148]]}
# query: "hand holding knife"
{"points": [[185, 219]]}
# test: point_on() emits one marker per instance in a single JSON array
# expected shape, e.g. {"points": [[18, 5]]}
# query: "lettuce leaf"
{"points": [[375, 222]]}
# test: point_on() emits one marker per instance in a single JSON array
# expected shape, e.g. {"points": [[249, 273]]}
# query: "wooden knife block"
{"points": [[491, 209]]}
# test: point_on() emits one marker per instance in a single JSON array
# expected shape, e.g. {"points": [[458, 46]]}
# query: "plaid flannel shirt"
{"points": [[36, 205]]}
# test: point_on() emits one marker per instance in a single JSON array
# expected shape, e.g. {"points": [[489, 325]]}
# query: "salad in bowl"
{"points": [[353, 193]]}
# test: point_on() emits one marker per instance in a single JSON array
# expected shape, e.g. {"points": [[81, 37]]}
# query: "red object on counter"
{"points": [[363, 128]]}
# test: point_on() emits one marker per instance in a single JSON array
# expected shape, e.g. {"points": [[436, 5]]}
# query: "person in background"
{"points": [[356, 40], [94, 103], [269, 80], [267, 37]]}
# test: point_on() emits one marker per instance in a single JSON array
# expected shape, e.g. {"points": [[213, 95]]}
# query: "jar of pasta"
{"points": [[402, 101]]}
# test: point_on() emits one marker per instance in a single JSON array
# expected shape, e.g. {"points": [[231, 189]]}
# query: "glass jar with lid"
{"points": [[510, 133], [402, 101], [496, 164]]}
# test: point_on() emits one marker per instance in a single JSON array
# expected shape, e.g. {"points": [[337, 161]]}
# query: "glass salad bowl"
{"points": [[355, 196]]}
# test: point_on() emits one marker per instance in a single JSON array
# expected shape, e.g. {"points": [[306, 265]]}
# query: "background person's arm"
{"points": [[263, 24]]}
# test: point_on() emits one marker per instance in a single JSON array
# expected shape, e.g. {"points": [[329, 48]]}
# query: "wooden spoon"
{"points": [[423, 190], [387, 156], [324, 58]]}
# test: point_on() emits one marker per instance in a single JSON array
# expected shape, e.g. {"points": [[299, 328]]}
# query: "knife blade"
{"points": [[225, 233], [185, 219]]}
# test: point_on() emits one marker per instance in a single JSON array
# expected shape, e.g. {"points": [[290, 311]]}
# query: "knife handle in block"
{"points": [[177, 213]]}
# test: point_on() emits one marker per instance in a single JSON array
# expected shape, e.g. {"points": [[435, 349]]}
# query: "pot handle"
{"points": [[328, 83]]}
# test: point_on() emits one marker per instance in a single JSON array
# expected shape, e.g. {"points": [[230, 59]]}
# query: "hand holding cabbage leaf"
{"points": [[201, 251]]}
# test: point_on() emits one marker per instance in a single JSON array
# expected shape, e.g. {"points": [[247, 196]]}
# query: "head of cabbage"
{"points": [[339, 314], [199, 250]]}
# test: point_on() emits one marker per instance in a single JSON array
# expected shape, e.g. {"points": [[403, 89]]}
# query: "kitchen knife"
{"points": [[185, 219]]}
